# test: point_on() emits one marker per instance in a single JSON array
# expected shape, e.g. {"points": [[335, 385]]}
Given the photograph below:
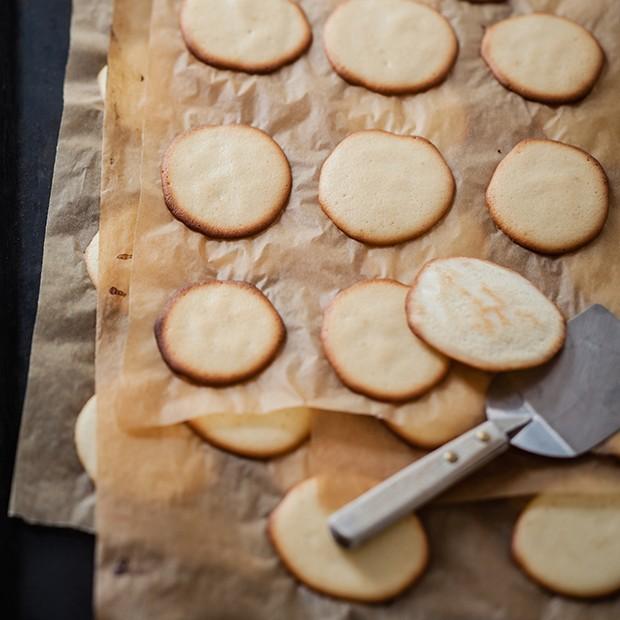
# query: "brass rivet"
{"points": [[483, 436], [450, 457]]}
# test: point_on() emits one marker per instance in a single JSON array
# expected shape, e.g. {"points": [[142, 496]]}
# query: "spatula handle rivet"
{"points": [[450, 457], [483, 436]]}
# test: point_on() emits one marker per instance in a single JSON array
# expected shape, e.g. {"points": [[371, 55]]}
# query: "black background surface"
{"points": [[49, 569]]}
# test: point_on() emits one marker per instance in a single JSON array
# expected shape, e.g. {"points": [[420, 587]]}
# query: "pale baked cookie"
{"points": [[219, 332], [381, 188], [393, 47], [255, 435], [452, 407], [367, 341], [245, 35], [548, 196], [225, 181], [86, 437], [484, 315], [571, 544], [611, 447], [377, 571], [91, 258], [102, 80], [543, 57]]}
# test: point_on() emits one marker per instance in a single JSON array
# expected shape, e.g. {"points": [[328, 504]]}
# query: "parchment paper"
{"points": [[303, 260], [120, 195], [196, 550], [342, 442], [182, 535], [49, 484]]}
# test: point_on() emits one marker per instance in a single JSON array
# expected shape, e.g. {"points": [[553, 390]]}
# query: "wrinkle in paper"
{"points": [[197, 545], [303, 260]]}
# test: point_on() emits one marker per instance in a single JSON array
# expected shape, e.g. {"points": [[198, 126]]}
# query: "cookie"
{"points": [[548, 196], [377, 571], [102, 81], [452, 407], [225, 181], [219, 332], [393, 47], [255, 435], [611, 447], [571, 544], [245, 35], [484, 315], [543, 57], [86, 437], [381, 188], [366, 340], [91, 258]]}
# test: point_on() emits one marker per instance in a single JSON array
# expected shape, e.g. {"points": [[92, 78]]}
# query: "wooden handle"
{"points": [[417, 484]]}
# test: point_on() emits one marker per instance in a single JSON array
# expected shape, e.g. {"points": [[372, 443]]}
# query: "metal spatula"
{"points": [[562, 409]]}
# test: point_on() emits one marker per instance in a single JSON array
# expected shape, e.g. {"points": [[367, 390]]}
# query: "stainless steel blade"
{"points": [[574, 400], [561, 409]]}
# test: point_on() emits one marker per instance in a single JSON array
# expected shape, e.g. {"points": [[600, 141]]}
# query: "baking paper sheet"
{"points": [[343, 442], [303, 259], [49, 484], [182, 525]]}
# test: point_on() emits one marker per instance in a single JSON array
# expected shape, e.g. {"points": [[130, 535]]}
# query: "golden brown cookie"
{"points": [[543, 57], [367, 342], [393, 47], [86, 437], [377, 571], [226, 181], [548, 196], [452, 407], [219, 332], [91, 258], [381, 188], [102, 81], [571, 543], [255, 435], [245, 35], [484, 315]]}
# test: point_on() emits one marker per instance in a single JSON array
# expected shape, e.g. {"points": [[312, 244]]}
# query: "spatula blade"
{"points": [[574, 399]]}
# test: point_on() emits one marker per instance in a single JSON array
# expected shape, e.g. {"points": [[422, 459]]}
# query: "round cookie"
{"points": [[611, 447], [548, 196], [85, 436], [571, 544], [452, 407], [256, 435], [393, 47], [225, 181], [543, 57], [484, 315], [367, 341], [245, 35], [381, 188], [377, 571], [219, 332], [102, 81], [91, 258]]}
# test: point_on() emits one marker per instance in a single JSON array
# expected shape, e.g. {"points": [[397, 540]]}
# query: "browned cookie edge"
{"points": [[167, 352], [577, 95], [257, 68], [210, 230], [395, 240], [531, 245]]}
